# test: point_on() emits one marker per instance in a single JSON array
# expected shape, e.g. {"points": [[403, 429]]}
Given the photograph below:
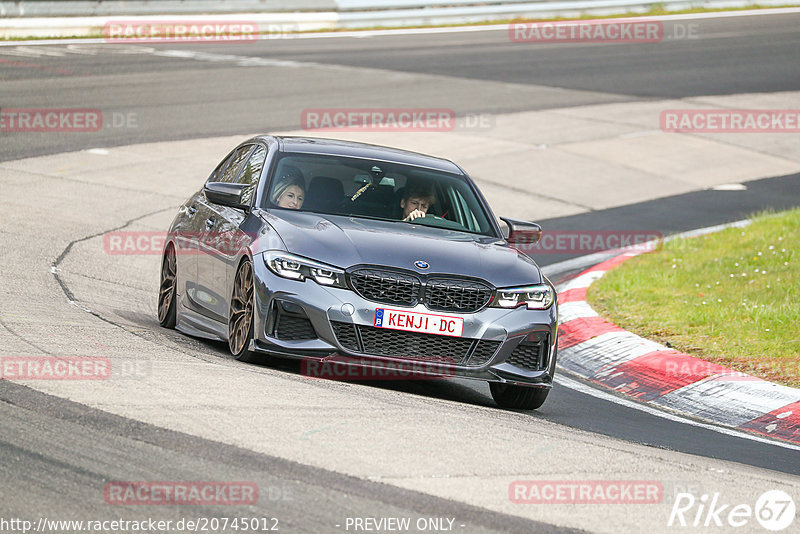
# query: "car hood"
{"points": [[347, 241]]}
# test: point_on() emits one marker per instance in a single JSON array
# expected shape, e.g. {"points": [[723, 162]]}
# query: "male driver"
{"points": [[417, 200]]}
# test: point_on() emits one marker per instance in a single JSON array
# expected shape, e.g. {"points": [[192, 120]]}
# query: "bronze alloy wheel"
{"points": [[166, 291], [240, 321]]}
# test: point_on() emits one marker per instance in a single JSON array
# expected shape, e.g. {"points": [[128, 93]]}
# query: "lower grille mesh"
{"points": [[346, 334], [430, 347], [530, 355], [293, 328], [412, 345], [483, 352]]}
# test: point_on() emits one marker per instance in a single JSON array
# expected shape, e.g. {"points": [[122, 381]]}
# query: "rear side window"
{"points": [[218, 170], [251, 173], [235, 164], [252, 170]]}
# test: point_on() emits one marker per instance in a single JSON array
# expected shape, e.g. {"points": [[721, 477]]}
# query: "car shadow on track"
{"points": [[463, 391], [446, 388]]}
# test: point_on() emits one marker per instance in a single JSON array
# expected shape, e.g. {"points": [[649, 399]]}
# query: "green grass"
{"points": [[731, 298], [656, 9]]}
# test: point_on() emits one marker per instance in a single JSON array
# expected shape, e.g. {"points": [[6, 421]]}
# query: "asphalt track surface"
{"points": [[213, 95], [69, 451], [46, 439]]}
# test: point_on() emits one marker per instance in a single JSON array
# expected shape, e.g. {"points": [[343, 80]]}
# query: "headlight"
{"points": [[298, 268], [538, 297]]}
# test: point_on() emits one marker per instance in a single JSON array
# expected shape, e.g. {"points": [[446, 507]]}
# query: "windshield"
{"points": [[339, 185]]}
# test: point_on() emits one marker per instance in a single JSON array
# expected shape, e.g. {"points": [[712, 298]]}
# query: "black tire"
{"points": [[240, 317], [518, 397], [167, 314]]}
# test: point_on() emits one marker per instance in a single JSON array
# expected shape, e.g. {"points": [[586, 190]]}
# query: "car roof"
{"points": [[338, 147]]}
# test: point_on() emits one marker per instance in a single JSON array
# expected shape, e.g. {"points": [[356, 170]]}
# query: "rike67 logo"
{"points": [[774, 510]]}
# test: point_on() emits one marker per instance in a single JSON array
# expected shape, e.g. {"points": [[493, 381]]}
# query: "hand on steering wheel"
{"points": [[416, 214]]}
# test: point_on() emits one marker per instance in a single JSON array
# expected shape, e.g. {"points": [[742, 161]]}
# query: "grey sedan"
{"points": [[373, 260]]}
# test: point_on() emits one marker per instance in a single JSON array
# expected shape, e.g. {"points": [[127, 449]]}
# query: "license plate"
{"points": [[426, 323]]}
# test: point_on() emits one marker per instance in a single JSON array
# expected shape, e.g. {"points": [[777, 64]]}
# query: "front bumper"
{"points": [[515, 346]]}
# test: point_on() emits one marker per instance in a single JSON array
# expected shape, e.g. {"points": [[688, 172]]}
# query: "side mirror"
{"points": [[522, 234], [226, 194]]}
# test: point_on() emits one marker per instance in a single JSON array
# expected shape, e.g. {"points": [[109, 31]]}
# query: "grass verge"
{"points": [[731, 298]]}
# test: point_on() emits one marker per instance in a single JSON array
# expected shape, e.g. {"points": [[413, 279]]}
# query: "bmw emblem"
{"points": [[419, 264]]}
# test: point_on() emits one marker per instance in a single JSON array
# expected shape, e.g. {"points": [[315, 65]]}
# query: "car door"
{"points": [[208, 298], [185, 238], [231, 224], [223, 239], [188, 244]]}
